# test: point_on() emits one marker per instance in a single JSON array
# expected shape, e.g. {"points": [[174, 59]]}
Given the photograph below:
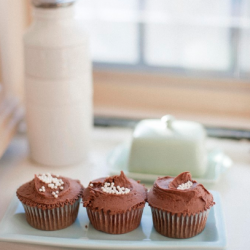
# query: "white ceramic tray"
{"points": [[14, 228], [117, 160]]}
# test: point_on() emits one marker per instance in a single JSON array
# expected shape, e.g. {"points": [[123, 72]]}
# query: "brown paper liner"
{"points": [[181, 227], [52, 219], [117, 223]]}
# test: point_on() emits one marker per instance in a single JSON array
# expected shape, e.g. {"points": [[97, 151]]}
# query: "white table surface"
{"points": [[234, 185]]}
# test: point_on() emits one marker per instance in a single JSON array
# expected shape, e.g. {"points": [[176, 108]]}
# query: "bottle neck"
{"points": [[60, 13], [52, 3]]}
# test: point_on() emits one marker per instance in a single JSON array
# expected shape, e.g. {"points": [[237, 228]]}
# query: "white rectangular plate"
{"points": [[14, 228]]}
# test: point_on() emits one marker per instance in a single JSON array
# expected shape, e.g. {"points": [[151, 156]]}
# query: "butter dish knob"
{"points": [[167, 120]]}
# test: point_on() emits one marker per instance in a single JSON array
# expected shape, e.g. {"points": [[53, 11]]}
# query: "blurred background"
{"points": [[154, 57]]}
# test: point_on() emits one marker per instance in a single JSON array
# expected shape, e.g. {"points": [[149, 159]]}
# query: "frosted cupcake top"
{"points": [[47, 191], [115, 194], [180, 195]]}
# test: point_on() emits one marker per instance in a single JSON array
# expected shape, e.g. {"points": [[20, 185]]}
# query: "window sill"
{"points": [[220, 102]]}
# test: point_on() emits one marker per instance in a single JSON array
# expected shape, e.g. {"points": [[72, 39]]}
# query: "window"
{"points": [[189, 58], [152, 57], [204, 37]]}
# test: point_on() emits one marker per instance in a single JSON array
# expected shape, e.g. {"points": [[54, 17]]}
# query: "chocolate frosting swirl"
{"points": [[165, 196], [30, 195], [95, 198]]}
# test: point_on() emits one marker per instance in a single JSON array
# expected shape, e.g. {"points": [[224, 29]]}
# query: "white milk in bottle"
{"points": [[58, 85]]}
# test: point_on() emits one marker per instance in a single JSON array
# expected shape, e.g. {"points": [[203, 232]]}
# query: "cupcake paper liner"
{"points": [[52, 219], [117, 223], [181, 227]]}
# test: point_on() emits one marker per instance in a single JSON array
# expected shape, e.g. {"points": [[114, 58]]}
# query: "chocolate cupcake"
{"points": [[180, 206], [51, 202], [114, 204]]}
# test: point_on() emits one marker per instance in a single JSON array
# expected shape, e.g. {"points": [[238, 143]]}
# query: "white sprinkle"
{"points": [[61, 188], [57, 192], [185, 186], [110, 188], [55, 195], [91, 184], [52, 182]]}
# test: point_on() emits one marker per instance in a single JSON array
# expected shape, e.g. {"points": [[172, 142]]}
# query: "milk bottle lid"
{"points": [[52, 3]]}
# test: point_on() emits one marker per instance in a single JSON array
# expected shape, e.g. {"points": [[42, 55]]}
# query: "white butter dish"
{"points": [[217, 163], [168, 146]]}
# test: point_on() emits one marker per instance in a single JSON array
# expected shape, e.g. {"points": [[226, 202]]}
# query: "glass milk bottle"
{"points": [[58, 85]]}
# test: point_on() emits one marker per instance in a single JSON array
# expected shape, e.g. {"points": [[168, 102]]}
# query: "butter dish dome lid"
{"points": [[168, 126]]}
